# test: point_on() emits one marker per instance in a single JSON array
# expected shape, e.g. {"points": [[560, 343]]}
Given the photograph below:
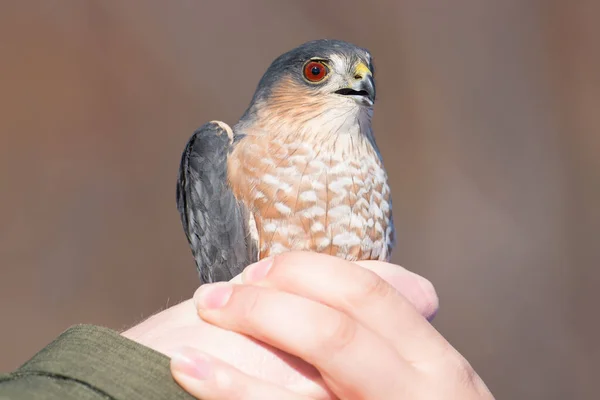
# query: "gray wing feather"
{"points": [[214, 221]]}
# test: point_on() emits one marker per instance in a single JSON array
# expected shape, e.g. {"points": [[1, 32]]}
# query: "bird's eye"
{"points": [[315, 71]]}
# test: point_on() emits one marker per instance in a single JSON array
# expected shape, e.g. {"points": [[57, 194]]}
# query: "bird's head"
{"points": [[318, 87], [334, 71]]}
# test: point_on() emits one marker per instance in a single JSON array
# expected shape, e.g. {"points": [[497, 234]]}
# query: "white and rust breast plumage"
{"points": [[303, 198], [313, 179]]}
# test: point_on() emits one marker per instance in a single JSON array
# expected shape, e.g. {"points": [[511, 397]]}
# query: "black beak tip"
{"points": [[365, 90]]}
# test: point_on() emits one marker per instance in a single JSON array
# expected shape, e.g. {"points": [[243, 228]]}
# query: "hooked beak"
{"points": [[361, 87]]}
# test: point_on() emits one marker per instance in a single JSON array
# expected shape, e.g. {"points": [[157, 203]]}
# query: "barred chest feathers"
{"points": [[325, 191]]}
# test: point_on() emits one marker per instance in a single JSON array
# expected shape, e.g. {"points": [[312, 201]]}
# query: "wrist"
{"points": [[157, 331]]}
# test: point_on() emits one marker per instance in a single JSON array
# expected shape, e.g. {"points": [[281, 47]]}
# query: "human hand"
{"points": [[180, 326], [361, 334]]}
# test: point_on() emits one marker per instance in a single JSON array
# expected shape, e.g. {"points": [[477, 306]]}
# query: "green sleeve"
{"points": [[88, 363]]}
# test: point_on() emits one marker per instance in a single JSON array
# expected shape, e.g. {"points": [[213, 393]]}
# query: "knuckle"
{"points": [[338, 334], [456, 371], [249, 304], [230, 383], [371, 286], [466, 375], [222, 378]]}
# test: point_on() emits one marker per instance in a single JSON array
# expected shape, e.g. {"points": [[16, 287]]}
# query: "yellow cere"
{"points": [[362, 70]]}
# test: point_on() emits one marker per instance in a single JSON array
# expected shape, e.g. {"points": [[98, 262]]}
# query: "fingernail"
{"points": [[432, 300], [196, 365], [214, 295], [258, 270]]}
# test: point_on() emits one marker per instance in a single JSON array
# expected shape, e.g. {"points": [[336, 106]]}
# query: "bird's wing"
{"points": [[215, 222]]}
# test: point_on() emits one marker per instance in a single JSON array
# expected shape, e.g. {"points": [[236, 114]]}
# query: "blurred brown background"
{"points": [[488, 119]]}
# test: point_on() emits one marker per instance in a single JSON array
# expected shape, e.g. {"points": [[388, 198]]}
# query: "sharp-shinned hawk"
{"points": [[299, 171]]}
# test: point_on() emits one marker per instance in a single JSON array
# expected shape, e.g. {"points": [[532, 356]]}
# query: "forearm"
{"points": [[90, 362]]}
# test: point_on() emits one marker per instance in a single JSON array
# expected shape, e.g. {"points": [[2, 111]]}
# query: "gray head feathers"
{"points": [[290, 64]]}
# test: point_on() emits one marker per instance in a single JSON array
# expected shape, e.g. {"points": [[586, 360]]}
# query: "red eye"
{"points": [[315, 71]]}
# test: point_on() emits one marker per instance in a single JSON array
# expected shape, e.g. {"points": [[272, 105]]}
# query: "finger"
{"points": [[326, 338], [418, 290], [208, 378], [357, 292]]}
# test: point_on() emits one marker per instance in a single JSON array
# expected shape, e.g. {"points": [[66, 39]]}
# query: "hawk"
{"points": [[299, 171]]}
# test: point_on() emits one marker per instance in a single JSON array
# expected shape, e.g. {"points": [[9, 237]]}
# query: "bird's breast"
{"points": [[314, 198]]}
